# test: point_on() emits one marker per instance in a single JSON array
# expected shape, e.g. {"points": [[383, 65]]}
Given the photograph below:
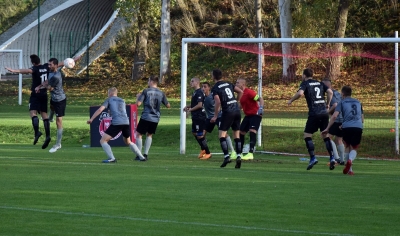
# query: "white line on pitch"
{"points": [[169, 221]]}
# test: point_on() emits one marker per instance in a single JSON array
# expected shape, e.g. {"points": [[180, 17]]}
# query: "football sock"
{"points": [[238, 146], [334, 149], [108, 151], [59, 136], [139, 144], [46, 125], [147, 145], [340, 148], [352, 155], [204, 145], [253, 140], [346, 156], [199, 142], [224, 146], [242, 141], [310, 146], [136, 150], [329, 146], [35, 124], [229, 142]]}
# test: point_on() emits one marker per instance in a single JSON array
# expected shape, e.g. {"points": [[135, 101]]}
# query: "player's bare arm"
{"points": [[332, 108], [101, 108], [329, 97], [296, 96], [239, 92], [197, 107], [331, 121], [217, 107], [21, 71], [138, 103]]}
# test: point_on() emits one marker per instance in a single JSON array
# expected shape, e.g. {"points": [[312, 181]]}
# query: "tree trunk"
{"points": [[140, 55], [333, 67], [285, 17], [165, 56]]}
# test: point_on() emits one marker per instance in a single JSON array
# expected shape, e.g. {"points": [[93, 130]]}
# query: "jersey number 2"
{"points": [[318, 91]]}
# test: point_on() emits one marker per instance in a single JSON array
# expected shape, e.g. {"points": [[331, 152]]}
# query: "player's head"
{"points": [[241, 83], [53, 64], [153, 81], [346, 91], [307, 73], [217, 74], [35, 60], [327, 82], [195, 82], [205, 87], [112, 92]]}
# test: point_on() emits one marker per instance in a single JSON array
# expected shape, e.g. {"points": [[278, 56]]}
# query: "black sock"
{"points": [[253, 140], [46, 125], [199, 142], [35, 124], [310, 146], [224, 146], [238, 146], [204, 144], [328, 145], [242, 142]]}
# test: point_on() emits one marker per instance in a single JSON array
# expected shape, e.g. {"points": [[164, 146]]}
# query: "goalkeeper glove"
{"points": [[260, 110]]}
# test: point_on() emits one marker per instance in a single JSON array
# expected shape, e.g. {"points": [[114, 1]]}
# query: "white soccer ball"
{"points": [[69, 63]]}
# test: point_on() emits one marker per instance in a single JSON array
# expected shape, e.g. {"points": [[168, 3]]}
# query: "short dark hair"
{"points": [[154, 79], [206, 83], [54, 60], [346, 91], [217, 74], [35, 59], [308, 72]]}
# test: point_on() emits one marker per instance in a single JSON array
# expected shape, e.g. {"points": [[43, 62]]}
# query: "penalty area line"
{"points": [[167, 221]]}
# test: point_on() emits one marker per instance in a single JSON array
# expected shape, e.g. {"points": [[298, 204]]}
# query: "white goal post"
{"points": [[13, 64], [186, 41]]}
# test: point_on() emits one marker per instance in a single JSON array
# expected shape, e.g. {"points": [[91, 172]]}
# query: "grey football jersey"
{"points": [[55, 81], [152, 99], [337, 98], [117, 108], [352, 111], [209, 106]]}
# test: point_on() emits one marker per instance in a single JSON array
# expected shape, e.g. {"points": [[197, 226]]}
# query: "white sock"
{"points": [[341, 151], [108, 151], [139, 144], [230, 145], [335, 153], [136, 150], [352, 155], [147, 145], [59, 136], [346, 156]]}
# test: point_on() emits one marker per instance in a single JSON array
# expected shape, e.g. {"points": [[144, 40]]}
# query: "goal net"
{"points": [[369, 66], [11, 59]]}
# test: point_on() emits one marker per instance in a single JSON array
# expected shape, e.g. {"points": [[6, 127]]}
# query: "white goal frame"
{"points": [[186, 41], [19, 75]]}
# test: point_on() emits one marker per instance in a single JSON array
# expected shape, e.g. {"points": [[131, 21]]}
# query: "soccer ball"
{"points": [[69, 63]]}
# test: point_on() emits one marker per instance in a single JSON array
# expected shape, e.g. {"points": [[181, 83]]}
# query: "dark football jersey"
{"points": [[225, 92], [314, 91], [39, 75], [198, 96]]}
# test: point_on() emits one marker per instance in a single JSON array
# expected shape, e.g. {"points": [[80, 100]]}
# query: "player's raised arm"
{"points": [[21, 71]]}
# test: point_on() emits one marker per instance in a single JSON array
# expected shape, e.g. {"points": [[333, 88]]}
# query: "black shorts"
{"points": [[316, 122], [230, 120], [38, 102], [336, 130], [209, 127], [250, 122], [352, 136], [59, 107], [145, 126], [198, 126], [113, 130]]}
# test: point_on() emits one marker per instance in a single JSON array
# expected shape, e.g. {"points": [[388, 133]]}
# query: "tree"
{"points": [[142, 13], [165, 56], [333, 67], [285, 17]]}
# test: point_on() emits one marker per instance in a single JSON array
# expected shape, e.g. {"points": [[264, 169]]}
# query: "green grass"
{"points": [[71, 193]]}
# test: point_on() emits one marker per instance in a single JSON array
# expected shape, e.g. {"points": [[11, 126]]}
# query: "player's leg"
{"points": [[244, 128], [141, 129], [126, 134], [202, 139], [197, 134], [224, 125], [34, 106], [106, 147], [236, 134], [309, 129], [151, 129], [51, 116], [347, 139], [355, 143], [255, 122], [339, 143], [46, 122], [323, 123]]}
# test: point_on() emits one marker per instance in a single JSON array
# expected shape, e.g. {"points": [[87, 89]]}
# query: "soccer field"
{"points": [[71, 193]]}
